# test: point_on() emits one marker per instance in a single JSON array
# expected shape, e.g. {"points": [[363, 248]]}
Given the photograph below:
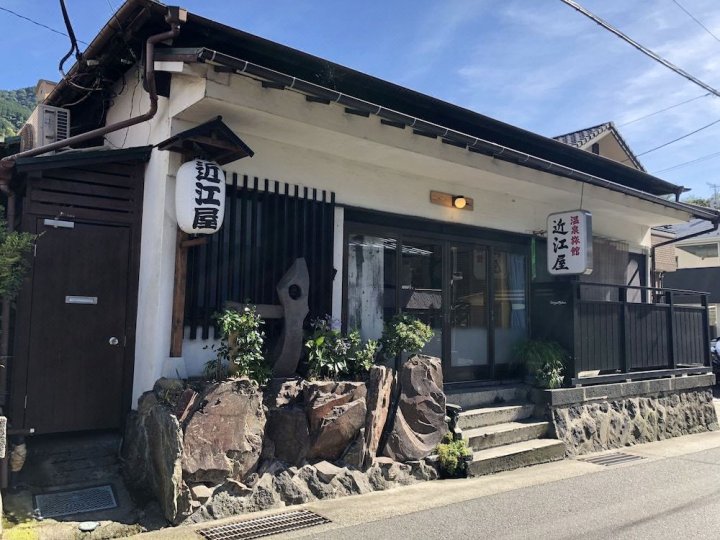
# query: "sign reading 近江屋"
{"points": [[200, 197], [569, 243]]}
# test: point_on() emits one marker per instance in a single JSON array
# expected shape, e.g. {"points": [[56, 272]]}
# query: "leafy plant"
{"points": [[14, 262], [452, 455], [332, 355], [404, 333], [545, 360], [240, 353]]}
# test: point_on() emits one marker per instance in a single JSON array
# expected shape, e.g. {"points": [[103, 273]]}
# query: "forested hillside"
{"points": [[15, 107]]}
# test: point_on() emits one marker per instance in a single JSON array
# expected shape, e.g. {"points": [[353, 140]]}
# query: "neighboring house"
{"points": [[605, 140], [361, 177], [698, 264]]}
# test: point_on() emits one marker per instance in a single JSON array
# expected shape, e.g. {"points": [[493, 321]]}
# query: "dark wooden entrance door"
{"points": [[77, 328]]}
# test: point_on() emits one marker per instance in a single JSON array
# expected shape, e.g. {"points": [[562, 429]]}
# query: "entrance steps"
{"points": [[499, 424]]}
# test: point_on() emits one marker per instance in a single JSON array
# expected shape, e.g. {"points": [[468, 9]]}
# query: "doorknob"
{"points": [[113, 341]]}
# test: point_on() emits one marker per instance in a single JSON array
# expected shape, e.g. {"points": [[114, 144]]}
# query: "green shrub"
{"points": [[334, 356], [404, 333], [14, 261], [240, 353], [545, 360], [451, 454]]}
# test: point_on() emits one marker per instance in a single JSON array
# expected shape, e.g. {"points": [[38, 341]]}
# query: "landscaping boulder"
{"points": [[287, 431], [379, 397], [224, 437], [419, 423], [284, 392], [152, 454], [336, 412]]}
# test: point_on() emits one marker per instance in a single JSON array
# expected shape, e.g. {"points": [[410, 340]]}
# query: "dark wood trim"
{"points": [[18, 368], [179, 287]]}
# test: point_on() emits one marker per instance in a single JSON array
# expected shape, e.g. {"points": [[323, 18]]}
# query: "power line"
{"points": [[680, 138], [684, 163], [663, 110], [37, 23], [678, 4], [640, 47]]}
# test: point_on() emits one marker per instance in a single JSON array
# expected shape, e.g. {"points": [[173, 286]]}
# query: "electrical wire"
{"points": [[680, 138], [640, 47], [678, 4], [36, 23], [684, 163], [73, 41], [662, 110]]}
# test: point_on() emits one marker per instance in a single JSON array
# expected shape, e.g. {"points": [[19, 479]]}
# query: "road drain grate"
{"points": [[616, 458], [265, 526], [66, 503]]}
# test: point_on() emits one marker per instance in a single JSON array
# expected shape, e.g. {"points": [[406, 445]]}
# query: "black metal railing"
{"points": [[617, 332]]}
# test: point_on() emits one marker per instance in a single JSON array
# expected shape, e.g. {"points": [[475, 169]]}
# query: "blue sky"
{"points": [[536, 64]]}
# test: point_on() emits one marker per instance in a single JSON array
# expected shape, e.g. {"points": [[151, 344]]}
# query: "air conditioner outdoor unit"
{"points": [[46, 125]]}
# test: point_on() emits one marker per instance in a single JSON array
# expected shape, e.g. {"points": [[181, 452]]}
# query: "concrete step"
{"points": [[490, 416], [508, 433], [514, 456], [478, 396]]}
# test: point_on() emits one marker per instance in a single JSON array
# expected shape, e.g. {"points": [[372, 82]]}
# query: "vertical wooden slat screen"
{"points": [[268, 224]]}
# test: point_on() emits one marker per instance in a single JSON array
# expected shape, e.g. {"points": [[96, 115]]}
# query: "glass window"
{"points": [[701, 250], [421, 290], [371, 283], [509, 304]]}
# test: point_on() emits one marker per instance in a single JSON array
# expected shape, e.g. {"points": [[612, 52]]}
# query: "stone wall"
{"points": [[610, 416], [213, 450]]}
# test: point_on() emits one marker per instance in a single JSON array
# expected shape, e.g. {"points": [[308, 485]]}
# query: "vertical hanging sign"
{"points": [[569, 244], [200, 197]]}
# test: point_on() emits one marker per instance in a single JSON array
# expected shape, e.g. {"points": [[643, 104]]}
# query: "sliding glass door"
{"points": [[468, 357], [472, 294]]}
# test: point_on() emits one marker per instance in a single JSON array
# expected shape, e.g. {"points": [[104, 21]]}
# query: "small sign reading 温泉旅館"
{"points": [[200, 197], [569, 243]]}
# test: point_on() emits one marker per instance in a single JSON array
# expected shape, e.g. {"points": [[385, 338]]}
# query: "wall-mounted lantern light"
{"points": [[460, 202]]}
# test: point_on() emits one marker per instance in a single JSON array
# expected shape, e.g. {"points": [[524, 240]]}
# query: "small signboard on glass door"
{"points": [[569, 245]]}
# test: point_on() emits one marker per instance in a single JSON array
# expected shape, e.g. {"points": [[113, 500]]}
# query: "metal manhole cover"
{"points": [[66, 503], [265, 526], [615, 458]]}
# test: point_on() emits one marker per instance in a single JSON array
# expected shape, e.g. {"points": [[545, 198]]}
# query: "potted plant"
{"points": [[454, 457], [332, 355], [404, 335], [240, 353], [544, 362]]}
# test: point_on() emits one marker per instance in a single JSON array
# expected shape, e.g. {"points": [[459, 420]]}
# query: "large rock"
{"points": [[287, 430], [379, 390], [336, 412], [152, 455], [284, 392], [224, 437], [419, 423]]}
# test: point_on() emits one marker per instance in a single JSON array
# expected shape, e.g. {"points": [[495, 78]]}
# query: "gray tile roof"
{"points": [[582, 137], [579, 138]]}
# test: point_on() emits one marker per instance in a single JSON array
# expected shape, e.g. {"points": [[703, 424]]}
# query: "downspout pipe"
{"points": [[653, 249], [174, 17]]}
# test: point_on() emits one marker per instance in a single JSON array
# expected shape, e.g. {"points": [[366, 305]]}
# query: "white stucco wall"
{"points": [[365, 163]]}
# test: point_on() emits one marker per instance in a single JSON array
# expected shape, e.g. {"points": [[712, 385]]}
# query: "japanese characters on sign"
{"points": [[200, 197], [569, 246]]}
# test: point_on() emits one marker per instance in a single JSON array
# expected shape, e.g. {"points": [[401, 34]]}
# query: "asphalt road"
{"points": [[677, 497]]}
